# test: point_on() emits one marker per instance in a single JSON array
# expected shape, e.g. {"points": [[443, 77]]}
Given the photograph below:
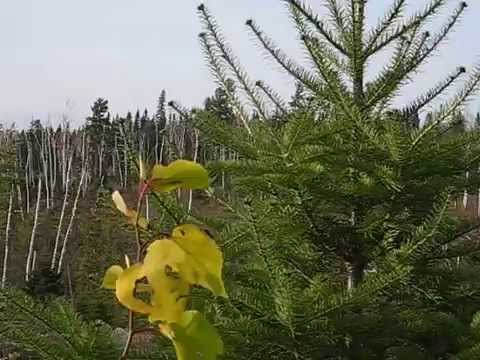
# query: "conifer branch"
{"points": [[273, 96], [338, 92], [419, 18], [306, 33], [433, 93], [179, 109], [405, 61], [318, 24], [390, 17], [339, 18], [448, 109], [302, 75], [213, 32], [221, 78]]}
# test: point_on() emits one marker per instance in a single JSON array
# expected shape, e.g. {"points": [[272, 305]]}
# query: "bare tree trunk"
{"points": [[222, 157], [62, 215], [34, 260], [27, 181], [157, 143], [50, 166], [7, 240], [118, 161], [70, 285], [70, 224], [28, 268], [32, 170], [125, 156], [64, 154], [43, 155], [54, 160], [101, 151], [19, 190], [195, 156], [84, 157], [114, 164]]}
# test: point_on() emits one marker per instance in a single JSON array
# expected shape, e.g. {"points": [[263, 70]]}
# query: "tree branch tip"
{"points": [[249, 22], [201, 7]]}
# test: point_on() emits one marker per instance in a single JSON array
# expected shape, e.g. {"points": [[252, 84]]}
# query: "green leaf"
{"points": [[194, 338], [179, 174]]}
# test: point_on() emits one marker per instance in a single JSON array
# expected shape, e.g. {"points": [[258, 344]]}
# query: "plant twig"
{"points": [[131, 318]]}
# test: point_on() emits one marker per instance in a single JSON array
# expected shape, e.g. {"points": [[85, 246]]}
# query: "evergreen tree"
{"points": [[219, 105], [346, 246], [477, 121], [99, 120], [161, 114]]}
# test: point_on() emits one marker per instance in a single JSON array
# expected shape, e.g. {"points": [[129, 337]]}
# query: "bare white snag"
{"points": [[62, 214], [27, 181], [43, 155], [50, 165], [195, 157], [28, 268], [34, 260], [70, 224], [7, 240]]}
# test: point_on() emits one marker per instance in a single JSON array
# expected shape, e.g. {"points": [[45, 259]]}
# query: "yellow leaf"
{"points": [[194, 337], [129, 213], [120, 203], [179, 174], [205, 260], [111, 277], [192, 255], [125, 289], [169, 290]]}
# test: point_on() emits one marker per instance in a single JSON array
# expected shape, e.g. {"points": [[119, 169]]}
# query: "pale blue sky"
{"points": [[127, 51]]}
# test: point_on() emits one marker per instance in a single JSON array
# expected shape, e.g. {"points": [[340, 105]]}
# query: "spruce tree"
{"points": [[346, 245]]}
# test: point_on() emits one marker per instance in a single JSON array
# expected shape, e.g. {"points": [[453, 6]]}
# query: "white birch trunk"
{"points": [[28, 268]]}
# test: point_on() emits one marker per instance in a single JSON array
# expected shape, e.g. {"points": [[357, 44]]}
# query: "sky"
{"points": [[58, 56]]}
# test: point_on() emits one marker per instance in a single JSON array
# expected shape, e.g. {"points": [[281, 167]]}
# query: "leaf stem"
{"points": [[131, 318]]}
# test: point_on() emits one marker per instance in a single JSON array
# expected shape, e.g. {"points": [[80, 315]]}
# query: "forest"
{"points": [[333, 224]]}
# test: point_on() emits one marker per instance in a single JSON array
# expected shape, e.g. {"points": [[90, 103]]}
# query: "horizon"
{"points": [[54, 53]]}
